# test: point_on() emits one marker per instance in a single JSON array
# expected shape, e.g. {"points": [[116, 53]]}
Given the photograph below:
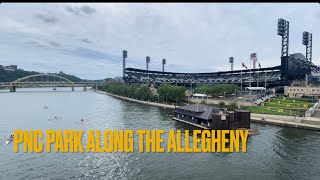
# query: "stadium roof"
{"points": [[209, 73]]}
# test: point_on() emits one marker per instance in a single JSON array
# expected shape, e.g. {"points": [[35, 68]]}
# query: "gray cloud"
{"points": [[86, 40], [54, 44], [87, 10], [83, 10], [46, 18]]}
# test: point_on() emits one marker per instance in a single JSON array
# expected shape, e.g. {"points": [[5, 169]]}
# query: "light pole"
{"points": [[163, 63], [231, 62], [124, 56], [147, 62]]}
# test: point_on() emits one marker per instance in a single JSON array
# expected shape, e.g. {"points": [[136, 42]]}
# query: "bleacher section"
{"points": [[270, 75]]}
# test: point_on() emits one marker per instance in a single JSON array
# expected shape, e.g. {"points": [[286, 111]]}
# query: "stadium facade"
{"points": [[293, 67]]}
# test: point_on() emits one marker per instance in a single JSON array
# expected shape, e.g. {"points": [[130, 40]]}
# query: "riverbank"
{"points": [[310, 123], [140, 101]]}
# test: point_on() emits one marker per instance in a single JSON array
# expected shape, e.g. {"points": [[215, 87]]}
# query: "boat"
{"points": [[54, 88], [209, 117], [8, 141]]}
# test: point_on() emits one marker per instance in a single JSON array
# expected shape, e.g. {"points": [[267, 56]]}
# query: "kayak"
{"points": [[8, 141]]}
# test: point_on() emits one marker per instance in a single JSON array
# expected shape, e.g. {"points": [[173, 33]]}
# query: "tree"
{"points": [[171, 93], [221, 104], [233, 105], [217, 90]]}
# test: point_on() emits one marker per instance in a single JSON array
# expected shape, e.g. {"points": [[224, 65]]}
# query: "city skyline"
{"points": [[87, 39]]}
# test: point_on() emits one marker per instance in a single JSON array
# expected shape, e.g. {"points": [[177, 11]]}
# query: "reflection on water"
{"points": [[276, 153]]}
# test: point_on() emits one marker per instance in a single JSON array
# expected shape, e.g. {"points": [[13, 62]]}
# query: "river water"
{"points": [[276, 153]]}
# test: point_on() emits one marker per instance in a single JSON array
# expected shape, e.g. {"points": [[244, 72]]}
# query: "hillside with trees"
{"points": [[9, 76]]}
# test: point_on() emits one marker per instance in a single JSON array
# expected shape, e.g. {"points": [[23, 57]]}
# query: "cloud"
{"points": [[191, 37], [86, 40], [87, 10], [82, 10], [46, 18]]}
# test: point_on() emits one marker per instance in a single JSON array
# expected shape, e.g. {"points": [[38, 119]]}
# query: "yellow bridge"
{"points": [[46, 80]]}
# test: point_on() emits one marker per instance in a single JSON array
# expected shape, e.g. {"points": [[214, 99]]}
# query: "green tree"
{"points": [[233, 105], [221, 104], [171, 93]]}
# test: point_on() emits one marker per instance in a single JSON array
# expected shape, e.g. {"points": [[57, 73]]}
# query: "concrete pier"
{"points": [[12, 88]]}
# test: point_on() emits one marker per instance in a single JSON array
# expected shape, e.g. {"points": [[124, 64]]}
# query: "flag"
{"points": [[244, 65], [259, 66], [253, 57]]}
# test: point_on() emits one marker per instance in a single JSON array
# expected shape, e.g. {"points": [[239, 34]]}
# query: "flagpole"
{"points": [[241, 78], [250, 76], [258, 76]]}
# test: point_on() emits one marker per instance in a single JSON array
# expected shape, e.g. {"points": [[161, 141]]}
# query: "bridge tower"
{"points": [[12, 88]]}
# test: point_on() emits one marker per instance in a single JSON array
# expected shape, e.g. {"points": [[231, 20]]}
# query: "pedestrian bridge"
{"points": [[46, 80]]}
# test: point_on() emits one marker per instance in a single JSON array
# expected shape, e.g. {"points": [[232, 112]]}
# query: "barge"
{"points": [[212, 118]]}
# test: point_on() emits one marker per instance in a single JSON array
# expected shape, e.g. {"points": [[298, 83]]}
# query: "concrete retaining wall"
{"points": [[139, 101]]}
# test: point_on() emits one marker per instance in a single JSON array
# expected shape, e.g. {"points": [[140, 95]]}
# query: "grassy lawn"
{"points": [[274, 111], [298, 106]]}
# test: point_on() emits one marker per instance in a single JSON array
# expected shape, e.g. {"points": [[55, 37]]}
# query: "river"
{"points": [[276, 153]]}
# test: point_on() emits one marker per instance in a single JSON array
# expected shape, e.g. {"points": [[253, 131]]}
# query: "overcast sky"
{"points": [[87, 40]]}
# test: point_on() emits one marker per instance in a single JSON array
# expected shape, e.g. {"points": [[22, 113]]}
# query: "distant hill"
{"points": [[9, 76]]}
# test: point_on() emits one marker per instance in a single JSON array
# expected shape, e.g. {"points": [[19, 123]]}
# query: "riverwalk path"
{"points": [[311, 123]]}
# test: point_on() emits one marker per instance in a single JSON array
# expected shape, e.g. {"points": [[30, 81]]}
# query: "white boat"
{"points": [[8, 141]]}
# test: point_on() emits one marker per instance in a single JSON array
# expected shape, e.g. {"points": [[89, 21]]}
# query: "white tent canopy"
{"points": [[200, 95], [256, 88]]}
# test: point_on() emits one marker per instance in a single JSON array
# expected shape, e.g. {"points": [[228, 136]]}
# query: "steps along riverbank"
{"points": [[289, 121]]}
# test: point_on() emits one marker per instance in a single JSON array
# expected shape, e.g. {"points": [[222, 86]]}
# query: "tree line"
{"points": [[217, 90], [165, 93]]}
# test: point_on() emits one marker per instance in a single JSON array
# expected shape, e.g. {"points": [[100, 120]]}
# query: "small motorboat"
{"points": [[54, 88]]}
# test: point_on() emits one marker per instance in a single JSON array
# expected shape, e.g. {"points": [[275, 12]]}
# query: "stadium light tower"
{"points": [[283, 31], [231, 62], [163, 63], [307, 41], [124, 56], [147, 62]]}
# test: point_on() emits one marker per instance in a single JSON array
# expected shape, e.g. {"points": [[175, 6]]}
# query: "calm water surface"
{"points": [[276, 153]]}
